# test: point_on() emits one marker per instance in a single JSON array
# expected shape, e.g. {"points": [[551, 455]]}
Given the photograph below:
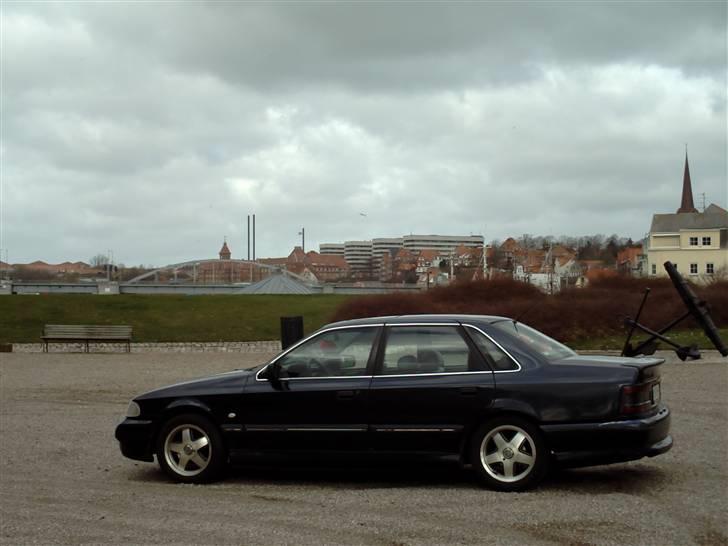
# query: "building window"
{"points": [[693, 269], [654, 269], [709, 269], [693, 241], [706, 241]]}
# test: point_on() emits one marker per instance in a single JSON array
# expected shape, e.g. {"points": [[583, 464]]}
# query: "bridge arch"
{"points": [[196, 263]]}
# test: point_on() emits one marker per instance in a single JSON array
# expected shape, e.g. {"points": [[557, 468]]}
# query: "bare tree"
{"points": [[99, 260]]}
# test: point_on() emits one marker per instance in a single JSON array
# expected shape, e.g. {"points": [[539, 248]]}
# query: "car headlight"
{"points": [[133, 410]]}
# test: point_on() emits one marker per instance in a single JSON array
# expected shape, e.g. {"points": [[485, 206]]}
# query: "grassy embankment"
{"points": [[164, 317], [590, 318]]}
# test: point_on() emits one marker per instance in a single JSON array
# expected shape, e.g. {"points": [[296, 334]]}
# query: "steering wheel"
{"points": [[317, 369]]}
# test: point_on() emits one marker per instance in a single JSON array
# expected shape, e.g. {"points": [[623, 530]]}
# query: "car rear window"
{"points": [[549, 348]]}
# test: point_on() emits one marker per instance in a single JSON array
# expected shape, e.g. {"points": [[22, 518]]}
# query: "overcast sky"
{"points": [[153, 129]]}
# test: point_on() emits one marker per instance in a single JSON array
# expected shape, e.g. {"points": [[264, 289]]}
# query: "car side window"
{"points": [[335, 353], [497, 358], [426, 349]]}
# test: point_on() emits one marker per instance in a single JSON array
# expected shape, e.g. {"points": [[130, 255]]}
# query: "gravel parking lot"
{"points": [[63, 479]]}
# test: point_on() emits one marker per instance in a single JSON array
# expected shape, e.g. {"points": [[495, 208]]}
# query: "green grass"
{"points": [[165, 317], [681, 337], [208, 318]]}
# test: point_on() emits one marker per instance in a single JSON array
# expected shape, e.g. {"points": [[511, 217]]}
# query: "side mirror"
{"points": [[272, 372]]}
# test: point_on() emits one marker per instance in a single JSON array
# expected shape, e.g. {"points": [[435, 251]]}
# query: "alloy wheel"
{"points": [[508, 453], [187, 450]]}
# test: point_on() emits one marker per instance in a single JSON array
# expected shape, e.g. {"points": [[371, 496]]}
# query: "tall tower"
{"points": [[686, 204], [224, 251]]}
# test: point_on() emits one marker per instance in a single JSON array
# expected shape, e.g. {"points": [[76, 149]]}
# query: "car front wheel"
{"points": [[509, 454], [190, 449]]}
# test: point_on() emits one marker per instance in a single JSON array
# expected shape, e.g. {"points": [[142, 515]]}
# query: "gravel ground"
{"points": [[64, 481]]}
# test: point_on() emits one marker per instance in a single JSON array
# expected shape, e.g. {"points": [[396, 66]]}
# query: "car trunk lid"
{"points": [[640, 393]]}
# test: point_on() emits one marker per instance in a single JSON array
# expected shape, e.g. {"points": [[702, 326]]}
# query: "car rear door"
{"points": [[320, 400], [429, 388]]}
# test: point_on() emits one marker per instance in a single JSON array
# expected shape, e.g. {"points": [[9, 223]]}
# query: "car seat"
{"points": [[430, 361], [407, 364]]}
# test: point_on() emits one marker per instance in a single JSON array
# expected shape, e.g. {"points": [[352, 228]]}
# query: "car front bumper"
{"points": [[586, 444], [135, 439]]}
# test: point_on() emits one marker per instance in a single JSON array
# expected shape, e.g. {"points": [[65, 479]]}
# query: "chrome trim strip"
{"points": [[296, 428], [500, 347], [314, 429], [383, 429], [327, 377], [433, 373], [304, 340], [397, 324]]}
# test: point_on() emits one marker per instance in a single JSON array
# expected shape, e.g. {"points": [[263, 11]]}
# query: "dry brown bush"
{"points": [[596, 311]]}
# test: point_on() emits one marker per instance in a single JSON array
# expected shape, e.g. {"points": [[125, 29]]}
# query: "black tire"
{"points": [[190, 449], [506, 462]]}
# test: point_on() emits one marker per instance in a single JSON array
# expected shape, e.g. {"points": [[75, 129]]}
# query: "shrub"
{"points": [[596, 311]]}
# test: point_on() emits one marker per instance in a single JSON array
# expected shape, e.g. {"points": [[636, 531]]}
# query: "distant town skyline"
{"points": [[353, 121]]}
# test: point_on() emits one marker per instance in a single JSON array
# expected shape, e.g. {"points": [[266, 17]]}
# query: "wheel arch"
{"points": [[180, 407], [504, 408]]}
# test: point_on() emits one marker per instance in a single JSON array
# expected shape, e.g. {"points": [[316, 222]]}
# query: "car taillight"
{"points": [[640, 398]]}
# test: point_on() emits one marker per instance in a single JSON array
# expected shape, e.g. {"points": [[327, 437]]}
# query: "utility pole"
{"points": [[248, 237], [253, 237]]}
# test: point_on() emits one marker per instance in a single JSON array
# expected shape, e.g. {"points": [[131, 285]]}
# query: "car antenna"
{"points": [[520, 316]]}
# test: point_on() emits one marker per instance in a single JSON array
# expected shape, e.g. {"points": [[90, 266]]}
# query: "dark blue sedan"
{"points": [[505, 398]]}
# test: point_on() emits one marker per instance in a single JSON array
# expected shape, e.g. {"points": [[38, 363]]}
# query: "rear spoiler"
{"points": [[644, 363]]}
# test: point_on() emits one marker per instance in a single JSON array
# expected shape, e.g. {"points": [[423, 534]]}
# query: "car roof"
{"points": [[420, 319]]}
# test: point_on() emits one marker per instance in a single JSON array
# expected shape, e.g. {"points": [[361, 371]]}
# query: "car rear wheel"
{"points": [[190, 449], [509, 454]]}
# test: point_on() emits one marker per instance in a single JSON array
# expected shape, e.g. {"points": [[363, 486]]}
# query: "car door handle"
{"points": [[346, 395], [469, 391]]}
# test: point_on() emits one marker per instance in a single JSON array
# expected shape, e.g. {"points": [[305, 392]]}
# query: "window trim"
{"points": [[377, 372], [690, 269], [499, 346], [375, 349], [690, 241], [709, 238], [380, 343], [710, 265]]}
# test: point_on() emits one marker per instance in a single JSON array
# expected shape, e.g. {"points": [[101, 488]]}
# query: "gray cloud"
{"points": [[153, 129]]}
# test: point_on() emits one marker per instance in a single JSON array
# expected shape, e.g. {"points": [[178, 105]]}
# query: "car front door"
{"points": [[430, 387], [319, 399]]}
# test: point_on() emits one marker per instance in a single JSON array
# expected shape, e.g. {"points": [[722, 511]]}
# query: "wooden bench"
{"points": [[74, 333]]}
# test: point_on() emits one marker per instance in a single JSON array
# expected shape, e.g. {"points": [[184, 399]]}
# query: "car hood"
{"points": [[222, 383]]}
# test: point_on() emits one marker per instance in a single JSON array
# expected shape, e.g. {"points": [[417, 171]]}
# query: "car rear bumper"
{"points": [[586, 444], [135, 439]]}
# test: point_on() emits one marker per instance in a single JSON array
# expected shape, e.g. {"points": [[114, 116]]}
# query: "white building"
{"points": [[358, 255], [382, 246], [442, 243], [695, 242], [331, 249]]}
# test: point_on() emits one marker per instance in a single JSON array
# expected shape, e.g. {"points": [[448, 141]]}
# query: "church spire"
{"points": [[686, 205], [224, 251]]}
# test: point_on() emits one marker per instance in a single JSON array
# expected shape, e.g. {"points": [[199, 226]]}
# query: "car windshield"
{"points": [[549, 348]]}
